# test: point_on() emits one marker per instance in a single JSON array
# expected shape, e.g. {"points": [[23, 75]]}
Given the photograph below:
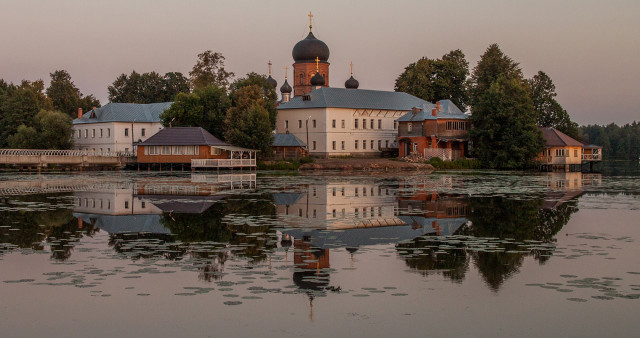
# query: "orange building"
{"points": [[561, 152], [439, 130]]}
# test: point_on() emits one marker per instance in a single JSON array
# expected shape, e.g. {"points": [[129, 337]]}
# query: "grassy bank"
{"points": [[283, 164], [463, 163]]}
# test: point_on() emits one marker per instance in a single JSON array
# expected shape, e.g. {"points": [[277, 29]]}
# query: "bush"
{"points": [[307, 160], [462, 163]]}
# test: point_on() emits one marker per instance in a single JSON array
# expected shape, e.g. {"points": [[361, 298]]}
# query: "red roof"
{"points": [[556, 138]]}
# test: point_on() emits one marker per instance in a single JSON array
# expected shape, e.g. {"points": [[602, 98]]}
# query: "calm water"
{"points": [[449, 254]]}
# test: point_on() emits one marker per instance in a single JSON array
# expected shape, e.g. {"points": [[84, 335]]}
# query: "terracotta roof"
{"points": [[183, 136], [556, 138]]}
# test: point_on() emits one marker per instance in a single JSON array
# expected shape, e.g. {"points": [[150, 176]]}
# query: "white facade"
{"points": [[112, 136], [115, 202], [335, 132]]}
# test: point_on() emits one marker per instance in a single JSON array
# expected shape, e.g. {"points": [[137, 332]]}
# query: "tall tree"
{"points": [[549, 113], [147, 87], [64, 94], [504, 132], [48, 130], [209, 70], [268, 96], [437, 79], [492, 65], [174, 83], [18, 105], [248, 122]]}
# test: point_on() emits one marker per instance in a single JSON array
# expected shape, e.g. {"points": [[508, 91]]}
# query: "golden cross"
{"points": [[351, 68], [317, 64], [286, 71], [269, 67], [310, 17]]}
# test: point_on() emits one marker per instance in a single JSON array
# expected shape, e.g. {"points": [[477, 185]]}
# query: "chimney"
{"points": [[415, 110], [79, 112], [434, 112], [438, 106]]}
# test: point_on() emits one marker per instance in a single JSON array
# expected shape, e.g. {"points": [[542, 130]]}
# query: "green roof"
{"points": [[355, 99], [124, 112]]}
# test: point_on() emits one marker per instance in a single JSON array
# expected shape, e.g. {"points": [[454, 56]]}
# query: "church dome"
{"points": [[272, 82], [286, 88], [310, 48], [317, 80], [351, 83]]}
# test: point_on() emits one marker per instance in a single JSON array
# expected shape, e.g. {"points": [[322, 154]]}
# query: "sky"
{"points": [[590, 48]]}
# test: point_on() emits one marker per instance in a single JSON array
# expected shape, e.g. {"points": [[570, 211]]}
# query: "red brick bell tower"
{"points": [[309, 55]]}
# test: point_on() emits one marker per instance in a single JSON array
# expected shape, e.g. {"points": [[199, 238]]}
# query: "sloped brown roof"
{"points": [[556, 138], [183, 136]]}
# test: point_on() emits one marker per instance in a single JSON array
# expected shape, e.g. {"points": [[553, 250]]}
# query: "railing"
{"points": [[444, 154], [44, 152], [222, 163], [591, 157]]}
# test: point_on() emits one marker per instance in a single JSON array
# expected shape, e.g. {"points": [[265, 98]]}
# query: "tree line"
{"points": [[618, 142], [506, 108]]}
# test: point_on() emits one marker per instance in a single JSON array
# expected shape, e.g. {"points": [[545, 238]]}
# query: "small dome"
{"points": [[286, 88], [309, 49], [351, 83], [272, 82], [317, 80]]}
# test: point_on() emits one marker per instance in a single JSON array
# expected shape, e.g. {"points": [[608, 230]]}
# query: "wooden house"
{"points": [[195, 147], [561, 152], [440, 130], [288, 147]]}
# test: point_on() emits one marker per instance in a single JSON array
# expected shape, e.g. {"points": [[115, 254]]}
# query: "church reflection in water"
{"points": [[211, 219]]}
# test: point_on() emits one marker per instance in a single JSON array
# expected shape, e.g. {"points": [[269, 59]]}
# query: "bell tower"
{"points": [[310, 56]]}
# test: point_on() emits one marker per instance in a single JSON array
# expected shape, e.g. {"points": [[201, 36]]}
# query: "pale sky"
{"points": [[591, 49]]}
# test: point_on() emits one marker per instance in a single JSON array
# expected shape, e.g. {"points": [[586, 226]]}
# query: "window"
{"points": [[364, 144], [301, 83], [166, 150], [189, 150], [79, 133], [372, 144], [415, 147], [333, 191], [314, 123], [126, 204], [126, 150], [314, 213], [143, 205], [142, 132], [342, 145], [101, 133], [126, 131], [409, 127], [93, 133], [299, 123], [108, 132], [215, 151], [356, 144], [333, 123], [575, 153], [108, 150], [334, 213], [333, 145], [314, 145], [386, 143], [371, 123], [355, 125], [342, 123], [379, 144], [176, 150], [364, 123], [357, 192], [86, 133], [395, 124], [286, 124], [379, 124]]}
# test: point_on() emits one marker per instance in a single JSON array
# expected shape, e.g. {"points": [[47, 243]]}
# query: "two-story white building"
{"points": [[345, 121], [116, 127]]}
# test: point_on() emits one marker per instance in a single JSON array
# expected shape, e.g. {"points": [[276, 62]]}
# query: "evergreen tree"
{"points": [[492, 65], [549, 113]]}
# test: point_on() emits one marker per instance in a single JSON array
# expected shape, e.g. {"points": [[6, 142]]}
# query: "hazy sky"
{"points": [[591, 49]]}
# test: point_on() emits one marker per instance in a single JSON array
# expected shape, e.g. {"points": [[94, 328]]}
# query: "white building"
{"points": [[345, 121], [117, 126]]}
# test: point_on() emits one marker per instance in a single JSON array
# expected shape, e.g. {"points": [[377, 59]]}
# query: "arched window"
{"points": [[301, 79]]}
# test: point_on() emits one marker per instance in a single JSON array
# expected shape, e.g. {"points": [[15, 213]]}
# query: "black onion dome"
{"points": [[286, 88], [317, 80], [351, 83], [309, 49], [272, 82]]}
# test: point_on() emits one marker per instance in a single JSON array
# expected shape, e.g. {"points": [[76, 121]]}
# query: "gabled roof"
{"points": [[287, 140], [354, 98], [555, 138], [183, 136], [124, 112], [448, 110]]}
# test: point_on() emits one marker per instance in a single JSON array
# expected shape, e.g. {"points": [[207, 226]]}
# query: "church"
{"points": [[336, 121]]}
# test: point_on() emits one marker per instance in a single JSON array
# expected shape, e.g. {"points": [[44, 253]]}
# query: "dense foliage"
{"points": [[247, 122], [19, 104], [66, 97], [48, 130], [618, 142], [549, 113], [437, 79], [209, 70], [147, 87]]}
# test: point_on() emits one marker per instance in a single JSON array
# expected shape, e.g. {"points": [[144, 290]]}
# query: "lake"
{"points": [[454, 253]]}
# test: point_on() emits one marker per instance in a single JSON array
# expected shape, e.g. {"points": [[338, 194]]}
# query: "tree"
{"points": [[209, 70], [549, 113], [48, 130], [493, 64], [205, 107], [18, 105], [438, 79], [147, 87], [248, 122], [268, 96], [64, 95], [504, 132]]}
